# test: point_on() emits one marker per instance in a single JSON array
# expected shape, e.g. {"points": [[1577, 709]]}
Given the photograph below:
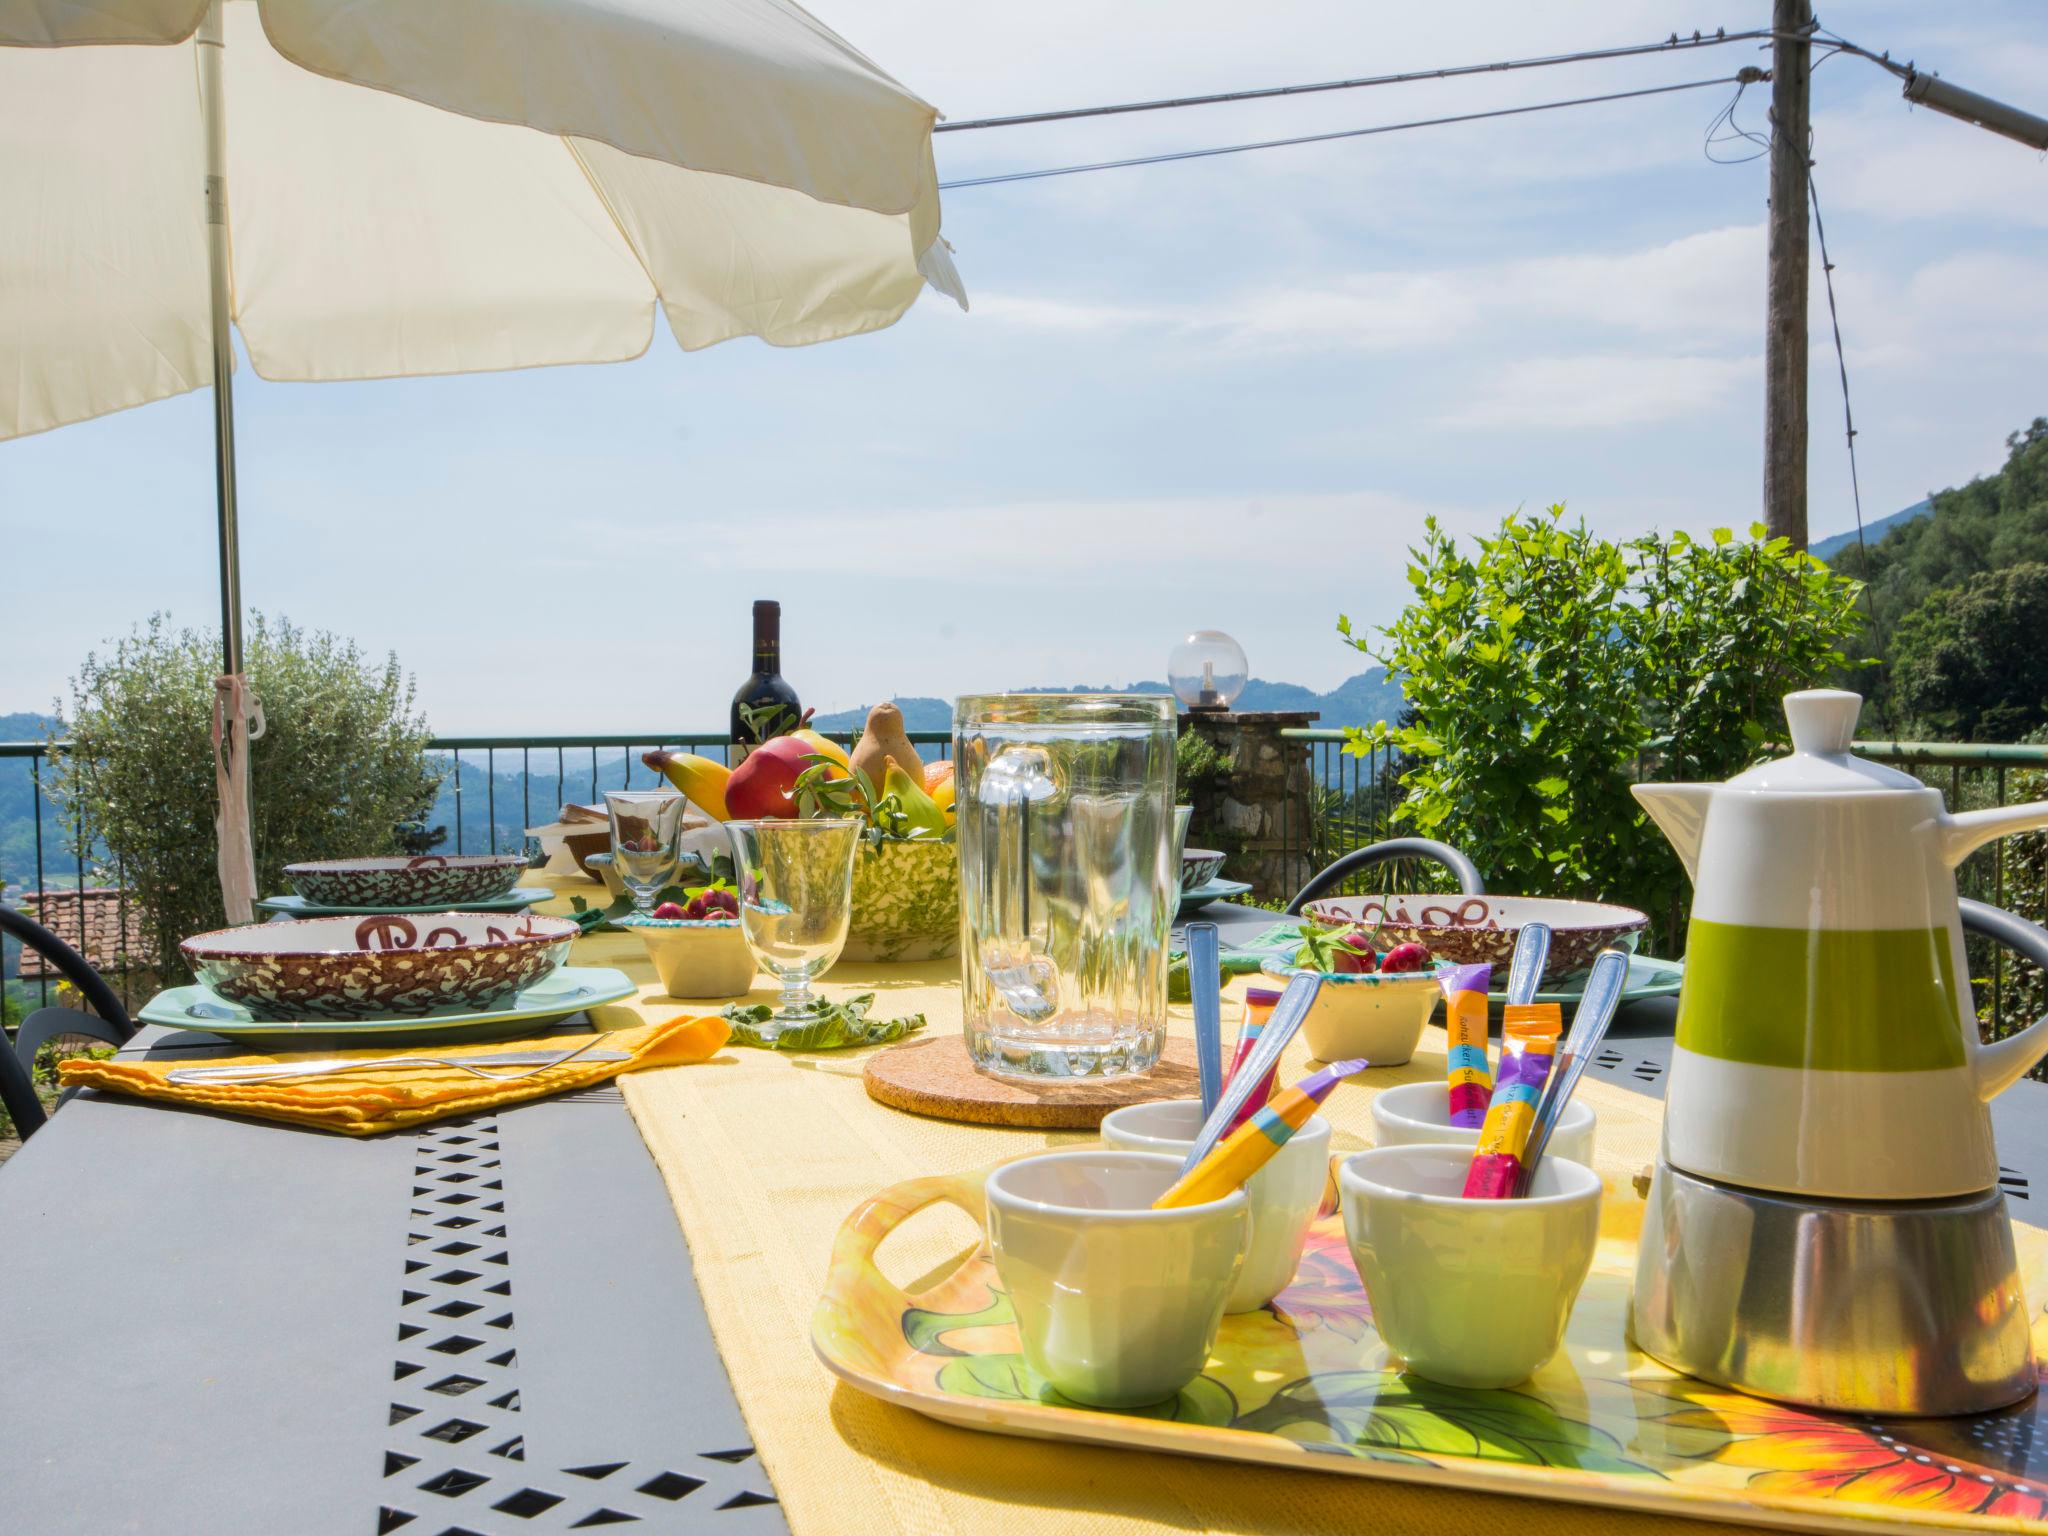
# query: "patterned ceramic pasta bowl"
{"points": [[906, 901], [1198, 866], [375, 967], [1481, 930], [431, 880]]}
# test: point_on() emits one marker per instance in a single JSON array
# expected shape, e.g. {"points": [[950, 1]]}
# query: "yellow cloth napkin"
{"points": [[363, 1103]]}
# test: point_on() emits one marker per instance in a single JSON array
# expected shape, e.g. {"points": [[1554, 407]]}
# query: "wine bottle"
{"points": [[765, 706]]}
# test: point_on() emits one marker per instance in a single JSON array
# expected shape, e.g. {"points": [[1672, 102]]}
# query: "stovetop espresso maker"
{"points": [[1825, 1225]]}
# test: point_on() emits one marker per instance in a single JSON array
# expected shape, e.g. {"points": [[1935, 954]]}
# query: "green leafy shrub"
{"points": [[339, 770], [1549, 668]]}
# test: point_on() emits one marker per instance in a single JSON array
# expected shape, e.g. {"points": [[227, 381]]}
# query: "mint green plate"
{"points": [[1215, 890], [569, 990], [518, 899], [1647, 977]]}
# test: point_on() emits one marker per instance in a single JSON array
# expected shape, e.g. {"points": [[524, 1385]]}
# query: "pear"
{"points": [[882, 740]]}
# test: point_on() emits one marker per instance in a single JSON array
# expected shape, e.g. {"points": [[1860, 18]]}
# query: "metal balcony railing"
{"points": [[485, 805], [494, 787]]}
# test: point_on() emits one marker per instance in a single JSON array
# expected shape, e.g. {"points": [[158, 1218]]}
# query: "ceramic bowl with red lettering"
{"points": [[376, 967], [1481, 930]]}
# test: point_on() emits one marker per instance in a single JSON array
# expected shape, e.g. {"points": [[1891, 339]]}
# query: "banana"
{"points": [[697, 777], [921, 812]]}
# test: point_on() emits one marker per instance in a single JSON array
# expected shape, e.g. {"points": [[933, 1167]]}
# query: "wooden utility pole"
{"points": [[1785, 314]]}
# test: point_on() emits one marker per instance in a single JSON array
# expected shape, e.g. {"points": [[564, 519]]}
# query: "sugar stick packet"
{"points": [[1259, 1003], [1528, 1045], [1471, 1077], [1248, 1148]]}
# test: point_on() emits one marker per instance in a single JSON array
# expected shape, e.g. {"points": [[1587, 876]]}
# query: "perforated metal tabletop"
{"points": [[485, 1326]]}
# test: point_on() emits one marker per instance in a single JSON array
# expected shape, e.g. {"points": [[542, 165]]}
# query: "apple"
{"points": [[765, 784], [1406, 957]]}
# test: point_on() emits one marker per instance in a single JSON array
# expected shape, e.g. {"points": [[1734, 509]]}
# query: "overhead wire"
{"points": [[1345, 133], [1672, 44]]}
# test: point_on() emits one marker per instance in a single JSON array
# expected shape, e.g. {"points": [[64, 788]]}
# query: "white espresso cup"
{"points": [[1284, 1194], [1117, 1304], [1471, 1293], [1419, 1114]]}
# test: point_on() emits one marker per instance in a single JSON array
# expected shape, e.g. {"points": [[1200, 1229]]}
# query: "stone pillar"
{"points": [[1255, 808]]}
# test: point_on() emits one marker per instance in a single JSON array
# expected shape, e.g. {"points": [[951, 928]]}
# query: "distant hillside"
{"points": [[25, 726], [1360, 700], [17, 805], [1828, 548], [1994, 521]]}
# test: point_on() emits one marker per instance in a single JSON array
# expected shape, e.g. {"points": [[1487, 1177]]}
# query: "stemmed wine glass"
{"points": [[796, 899], [647, 831]]}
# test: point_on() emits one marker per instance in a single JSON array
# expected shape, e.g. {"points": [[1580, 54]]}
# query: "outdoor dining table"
{"points": [[500, 1324]]}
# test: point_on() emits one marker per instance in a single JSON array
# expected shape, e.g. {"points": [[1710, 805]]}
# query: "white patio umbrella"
{"points": [[378, 188]]}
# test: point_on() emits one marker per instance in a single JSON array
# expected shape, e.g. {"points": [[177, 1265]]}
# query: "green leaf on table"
{"points": [[1202, 1401], [826, 1026], [926, 1331], [988, 1376], [1385, 1412]]}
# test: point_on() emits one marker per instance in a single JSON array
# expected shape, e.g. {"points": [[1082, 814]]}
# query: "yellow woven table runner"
{"points": [[765, 1154]]}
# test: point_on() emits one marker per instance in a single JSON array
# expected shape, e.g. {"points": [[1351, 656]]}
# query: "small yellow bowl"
{"points": [[696, 960], [1364, 1013]]}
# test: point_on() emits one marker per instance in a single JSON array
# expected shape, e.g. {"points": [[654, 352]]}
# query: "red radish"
{"points": [[1353, 954], [1406, 957], [669, 911]]}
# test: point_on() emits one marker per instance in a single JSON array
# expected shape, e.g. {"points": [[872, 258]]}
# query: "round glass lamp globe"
{"points": [[1207, 670]]}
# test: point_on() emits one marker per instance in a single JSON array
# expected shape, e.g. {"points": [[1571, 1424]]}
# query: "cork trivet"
{"points": [[936, 1077]]}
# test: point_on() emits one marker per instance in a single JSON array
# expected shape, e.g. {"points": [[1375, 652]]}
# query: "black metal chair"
{"points": [[108, 1021], [1359, 860]]}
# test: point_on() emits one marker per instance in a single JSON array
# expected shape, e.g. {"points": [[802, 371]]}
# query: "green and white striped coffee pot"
{"points": [[1827, 1043]]}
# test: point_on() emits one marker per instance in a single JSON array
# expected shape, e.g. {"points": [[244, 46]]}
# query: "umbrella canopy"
{"points": [[453, 187], [377, 188]]}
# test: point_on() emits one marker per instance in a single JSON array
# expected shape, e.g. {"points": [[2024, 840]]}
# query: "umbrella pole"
{"points": [[236, 715], [214, 111]]}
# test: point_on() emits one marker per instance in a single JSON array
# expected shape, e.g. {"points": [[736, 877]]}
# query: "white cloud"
{"points": [[1072, 316], [1704, 285], [1604, 390]]}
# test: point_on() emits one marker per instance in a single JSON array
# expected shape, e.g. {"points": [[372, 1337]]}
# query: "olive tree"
{"points": [[339, 770]]}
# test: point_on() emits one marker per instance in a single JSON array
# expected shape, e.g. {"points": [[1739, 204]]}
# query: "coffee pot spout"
{"points": [[1680, 811]]}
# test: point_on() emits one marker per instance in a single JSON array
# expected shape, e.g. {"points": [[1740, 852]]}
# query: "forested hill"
{"points": [[1961, 602]]}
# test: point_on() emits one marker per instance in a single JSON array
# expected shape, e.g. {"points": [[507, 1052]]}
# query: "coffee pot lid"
{"points": [[1823, 722]]}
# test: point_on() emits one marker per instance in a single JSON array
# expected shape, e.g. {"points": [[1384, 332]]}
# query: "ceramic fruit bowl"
{"points": [[1198, 866], [431, 880], [1481, 930], [600, 867], [1374, 1014], [696, 958], [385, 966], [906, 901]]}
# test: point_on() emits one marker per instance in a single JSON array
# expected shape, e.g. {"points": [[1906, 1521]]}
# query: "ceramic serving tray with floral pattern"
{"points": [[1306, 1383]]}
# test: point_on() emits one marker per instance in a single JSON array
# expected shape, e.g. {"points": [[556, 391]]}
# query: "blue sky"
{"points": [[1214, 394]]}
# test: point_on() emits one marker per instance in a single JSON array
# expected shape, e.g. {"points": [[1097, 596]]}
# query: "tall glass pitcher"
{"points": [[1068, 882]]}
